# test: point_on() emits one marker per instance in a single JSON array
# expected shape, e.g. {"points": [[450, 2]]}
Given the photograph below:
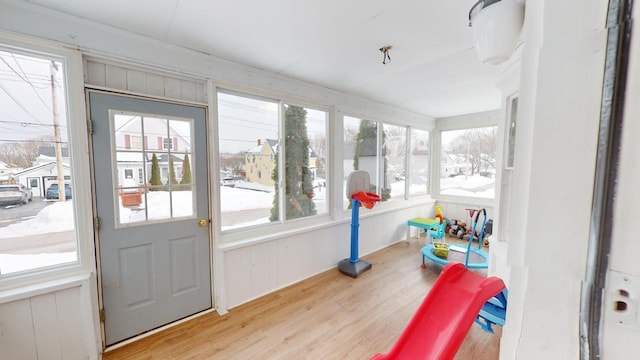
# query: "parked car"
{"points": [[15, 194], [52, 191], [228, 181]]}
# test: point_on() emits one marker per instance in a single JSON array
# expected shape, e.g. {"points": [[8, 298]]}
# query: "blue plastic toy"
{"points": [[475, 258]]}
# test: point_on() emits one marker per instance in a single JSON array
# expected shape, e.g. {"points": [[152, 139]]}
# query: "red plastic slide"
{"points": [[440, 325]]}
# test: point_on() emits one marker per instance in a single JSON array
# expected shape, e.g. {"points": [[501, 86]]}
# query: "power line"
{"points": [[33, 141], [18, 103], [25, 79], [25, 124]]}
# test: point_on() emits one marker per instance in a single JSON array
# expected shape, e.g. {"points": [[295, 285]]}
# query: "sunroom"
{"points": [[207, 148]]}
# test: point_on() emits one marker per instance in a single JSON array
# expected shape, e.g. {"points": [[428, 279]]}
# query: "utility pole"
{"points": [[56, 133]]}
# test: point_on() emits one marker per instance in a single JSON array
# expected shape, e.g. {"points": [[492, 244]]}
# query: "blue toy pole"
{"points": [[353, 266], [355, 224]]}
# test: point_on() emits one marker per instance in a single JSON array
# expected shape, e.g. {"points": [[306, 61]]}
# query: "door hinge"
{"points": [[90, 126], [101, 315], [96, 223]]}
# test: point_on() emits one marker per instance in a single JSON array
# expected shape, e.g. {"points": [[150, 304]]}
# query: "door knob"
{"points": [[202, 223]]}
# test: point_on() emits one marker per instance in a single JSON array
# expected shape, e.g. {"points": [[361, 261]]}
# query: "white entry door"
{"points": [[151, 184]]}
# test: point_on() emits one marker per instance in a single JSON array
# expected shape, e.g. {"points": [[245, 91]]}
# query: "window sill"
{"points": [[41, 288], [256, 236]]}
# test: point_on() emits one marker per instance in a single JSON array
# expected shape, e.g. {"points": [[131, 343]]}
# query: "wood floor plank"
{"points": [[329, 316]]}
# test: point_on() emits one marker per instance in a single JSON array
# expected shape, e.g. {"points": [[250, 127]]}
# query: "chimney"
{"points": [[259, 142]]}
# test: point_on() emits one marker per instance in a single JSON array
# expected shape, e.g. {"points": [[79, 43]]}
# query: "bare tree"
{"points": [[22, 154], [478, 147], [319, 145]]}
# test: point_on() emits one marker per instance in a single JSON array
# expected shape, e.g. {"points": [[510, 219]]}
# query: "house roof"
{"points": [[368, 147], [258, 149], [39, 167], [51, 151]]}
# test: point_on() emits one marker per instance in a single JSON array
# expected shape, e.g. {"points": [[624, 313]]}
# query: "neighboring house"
{"points": [[131, 142], [367, 150], [40, 176], [46, 154], [260, 162], [419, 159], [347, 159], [451, 164], [6, 174]]}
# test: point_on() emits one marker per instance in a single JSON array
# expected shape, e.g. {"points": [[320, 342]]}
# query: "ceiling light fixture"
{"points": [[496, 26], [385, 54]]}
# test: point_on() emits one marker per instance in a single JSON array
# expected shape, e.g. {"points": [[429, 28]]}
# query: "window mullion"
{"points": [[281, 162]]}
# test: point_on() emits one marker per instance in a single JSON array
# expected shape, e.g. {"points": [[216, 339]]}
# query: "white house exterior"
{"points": [[40, 176]]}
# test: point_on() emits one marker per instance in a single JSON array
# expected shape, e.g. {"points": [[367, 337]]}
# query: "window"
{"points": [[253, 153], [34, 146], [419, 162], [136, 142], [468, 162], [162, 190], [395, 151], [383, 156], [360, 151], [248, 134]]}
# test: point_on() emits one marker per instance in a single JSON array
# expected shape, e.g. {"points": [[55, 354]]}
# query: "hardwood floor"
{"points": [[329, 316]]}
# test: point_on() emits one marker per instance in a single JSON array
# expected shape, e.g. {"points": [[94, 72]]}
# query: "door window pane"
{"points": [[37, 227], [419, 157], [468, 162], [248, 144], [162, 189]]}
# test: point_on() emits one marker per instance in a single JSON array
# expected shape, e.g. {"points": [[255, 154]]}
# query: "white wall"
{"points": [[253, 271], [56, 324], [621, 329], [558, 117]]}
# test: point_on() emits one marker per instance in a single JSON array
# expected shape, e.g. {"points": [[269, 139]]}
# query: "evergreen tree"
{"points": [[367, 145], [172, 173], [298, 178], [155, 173], [186, 173]]}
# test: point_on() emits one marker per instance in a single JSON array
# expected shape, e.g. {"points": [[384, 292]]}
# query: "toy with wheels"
{"points": [[357, 186]]}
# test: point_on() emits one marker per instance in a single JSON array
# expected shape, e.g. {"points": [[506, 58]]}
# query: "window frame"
{"points": [[380, 161], [268, 229], [462, 124], [72, 63]]}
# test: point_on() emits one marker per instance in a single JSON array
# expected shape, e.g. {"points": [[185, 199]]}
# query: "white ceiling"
{"points": [[433, 70]]}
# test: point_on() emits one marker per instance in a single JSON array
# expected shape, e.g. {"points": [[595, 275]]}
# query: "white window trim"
{"points": [[80, 169], [266, 230], [474, 121]]}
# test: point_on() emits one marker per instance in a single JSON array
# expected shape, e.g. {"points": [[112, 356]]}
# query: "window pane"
{"points": [[37, 226], [361, 153], [395, 150], [155, 184], [467, 163], [302, 198], [419, 157], [511, 137], [248, 144]]}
